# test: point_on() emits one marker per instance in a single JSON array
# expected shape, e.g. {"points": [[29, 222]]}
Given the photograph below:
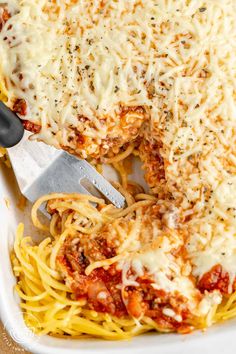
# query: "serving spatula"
{"points": [[41, 169]]}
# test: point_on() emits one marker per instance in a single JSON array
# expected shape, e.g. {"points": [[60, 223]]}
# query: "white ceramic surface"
{"points": [[217, 340]]}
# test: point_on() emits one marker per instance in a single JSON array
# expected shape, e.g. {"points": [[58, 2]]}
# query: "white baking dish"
{"points": [[216, 340]]}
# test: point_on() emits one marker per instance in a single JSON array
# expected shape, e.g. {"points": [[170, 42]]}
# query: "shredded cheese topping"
{"points": [[169, 272], [176, 60]]}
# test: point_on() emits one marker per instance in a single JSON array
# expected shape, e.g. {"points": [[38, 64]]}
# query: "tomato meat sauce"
{"points": [[20, 107], [216, 279], [32, 127], [4, 17], [104, 293]]}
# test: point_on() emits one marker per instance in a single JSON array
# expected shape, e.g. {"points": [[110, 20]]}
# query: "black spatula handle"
{"points": [[11, 129]]}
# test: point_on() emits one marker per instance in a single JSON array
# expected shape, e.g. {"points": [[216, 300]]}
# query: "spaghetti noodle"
{"points": [[47, 286]]}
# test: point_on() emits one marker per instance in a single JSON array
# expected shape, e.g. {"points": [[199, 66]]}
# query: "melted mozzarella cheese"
{"points": [[176, 59], [168, 272]]}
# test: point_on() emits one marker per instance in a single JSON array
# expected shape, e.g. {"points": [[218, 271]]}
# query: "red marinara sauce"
{"points": [[215, 279]]}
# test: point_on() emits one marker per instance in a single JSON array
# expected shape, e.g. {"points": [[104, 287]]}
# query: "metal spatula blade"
{"points": [[41, 169]]}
